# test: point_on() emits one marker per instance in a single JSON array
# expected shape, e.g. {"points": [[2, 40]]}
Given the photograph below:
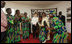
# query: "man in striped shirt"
{"points": [[3, 22]]}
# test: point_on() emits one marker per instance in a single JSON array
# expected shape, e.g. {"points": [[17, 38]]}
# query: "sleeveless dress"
{"points": [[61, 33]]}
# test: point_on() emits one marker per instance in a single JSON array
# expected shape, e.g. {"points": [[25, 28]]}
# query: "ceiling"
{"points": [[35, 3]]}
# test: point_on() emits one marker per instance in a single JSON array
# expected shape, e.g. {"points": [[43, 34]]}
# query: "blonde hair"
{"points": [[35, 14]]}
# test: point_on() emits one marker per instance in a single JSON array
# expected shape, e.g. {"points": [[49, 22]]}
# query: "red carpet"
{"points": [[31, 40], [36, 40]]}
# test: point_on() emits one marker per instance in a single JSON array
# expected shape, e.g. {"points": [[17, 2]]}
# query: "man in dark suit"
{"points": [[62, 17]]}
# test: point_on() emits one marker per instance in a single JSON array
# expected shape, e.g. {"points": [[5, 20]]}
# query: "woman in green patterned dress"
{"points": [[17, 22], [10, 31], [60, 35], [25, 26]]}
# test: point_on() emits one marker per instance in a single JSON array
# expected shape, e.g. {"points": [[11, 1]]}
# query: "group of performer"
{"points": [[45, 25], [41, 26], [15, 25]]}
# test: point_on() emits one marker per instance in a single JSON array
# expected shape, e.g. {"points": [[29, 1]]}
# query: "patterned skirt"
{"points": [[25, 29], [17, 33], [10, 34], [60, 38], [42, 34]]}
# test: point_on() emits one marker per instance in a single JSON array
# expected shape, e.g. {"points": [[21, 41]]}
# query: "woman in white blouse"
{"points": [[34, 22]]}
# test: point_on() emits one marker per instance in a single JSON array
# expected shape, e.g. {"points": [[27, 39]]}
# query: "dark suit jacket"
{"points": [[62, 18]]}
